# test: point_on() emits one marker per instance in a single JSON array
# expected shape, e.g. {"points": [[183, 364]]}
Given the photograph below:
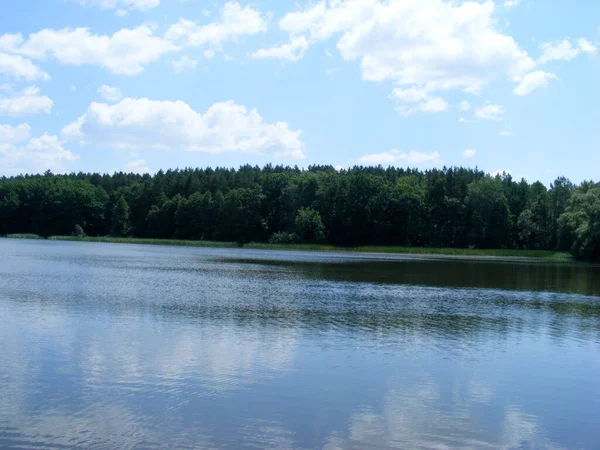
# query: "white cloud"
{"points": [[110, 94], [10, 134], [435, 104], [464, 106], [292, 51], [586, 46], [27, 102], [564, 50], [34, 156], [126, 52], [507, 133], [430, 45], [511, 3], [234, 23], [490, 112], [136, 166], [413, 158], [532, 81], [146, 124], [420, 100], [469, 153], [9, 42], [18, 67], [122, 6], [184, 63]]}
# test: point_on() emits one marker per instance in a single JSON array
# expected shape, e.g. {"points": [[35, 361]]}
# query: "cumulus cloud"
{"points": [[27, 102], [19, 153], [147, 124], [586, 46], [429, 45], [291, 51], [511, 3], [18, 67], [533, 81], [464, 105], [564, 50], [137, 166], [10, 134], [109, 93], [234, 22], [184, 63], [134, 166], [469, 153], [126, 52], [122, 6], [490, 112], [414, 99], [395, 156]]}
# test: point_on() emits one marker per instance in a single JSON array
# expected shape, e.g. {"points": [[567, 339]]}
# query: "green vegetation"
{"points": [[449, 211], [579, 226], [544, 254], [23, 236], [128, 240]]}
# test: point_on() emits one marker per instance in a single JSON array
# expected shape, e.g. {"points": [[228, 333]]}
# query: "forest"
{"points": [[447, 208]]}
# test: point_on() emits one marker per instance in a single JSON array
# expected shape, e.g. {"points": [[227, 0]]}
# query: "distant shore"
{"points": [[502, 253]]}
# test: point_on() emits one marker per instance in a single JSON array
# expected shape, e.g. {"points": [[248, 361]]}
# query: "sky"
{"points": [[144, 85]]}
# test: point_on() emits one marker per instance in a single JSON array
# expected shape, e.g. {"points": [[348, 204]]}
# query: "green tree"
{"points": [[580, 223], [560, 192], [9, 206], [161, 219], [360, 205], [407, 212], [193, 218], [490, 220], [79, 231], [240, 216], [120, 218], [309, 226]]}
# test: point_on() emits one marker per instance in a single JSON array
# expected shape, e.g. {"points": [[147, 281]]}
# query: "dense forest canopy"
{"points": [[451, 207]]}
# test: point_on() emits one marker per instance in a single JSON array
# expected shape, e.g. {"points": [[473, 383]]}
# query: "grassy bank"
{"points": [[418, 250], [118, 240], [23, 236], [538, 254]]}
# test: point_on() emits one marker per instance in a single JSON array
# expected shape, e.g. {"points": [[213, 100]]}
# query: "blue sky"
{"points": [[143, 85]]}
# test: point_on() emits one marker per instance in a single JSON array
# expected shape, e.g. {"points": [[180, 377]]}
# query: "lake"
{"points": [[108, 346]]}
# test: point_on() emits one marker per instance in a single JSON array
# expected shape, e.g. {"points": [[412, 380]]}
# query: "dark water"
{"points": [[108, 346]]}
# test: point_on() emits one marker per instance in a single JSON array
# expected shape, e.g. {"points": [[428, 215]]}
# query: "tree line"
{"points": [[450, 207]]}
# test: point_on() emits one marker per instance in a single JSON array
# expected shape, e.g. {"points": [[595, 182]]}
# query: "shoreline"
{"points": [[532, 255]]}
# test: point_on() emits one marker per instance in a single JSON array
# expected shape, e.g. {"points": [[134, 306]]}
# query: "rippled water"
{"points": [[125, 346]]}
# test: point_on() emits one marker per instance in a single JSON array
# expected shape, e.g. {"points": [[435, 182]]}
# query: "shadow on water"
{"points": [[448, 272]]}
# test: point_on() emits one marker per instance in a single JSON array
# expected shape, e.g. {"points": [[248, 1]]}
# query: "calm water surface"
{"points": [[107, 346]]}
